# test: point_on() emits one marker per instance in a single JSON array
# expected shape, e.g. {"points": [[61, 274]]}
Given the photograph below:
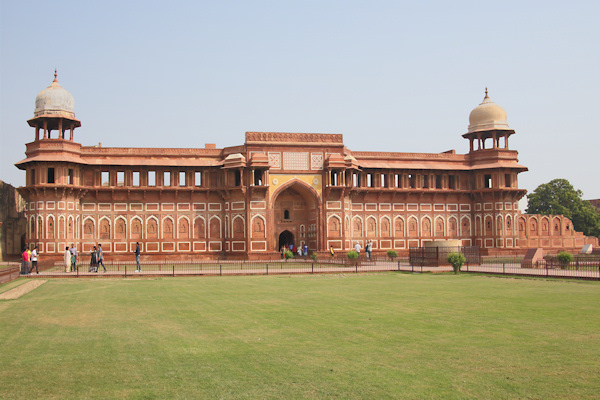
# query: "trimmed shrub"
{"points": [[289, 254], [392, 254], [456, 260], [564, 258], [352, 255], [314, 256]]}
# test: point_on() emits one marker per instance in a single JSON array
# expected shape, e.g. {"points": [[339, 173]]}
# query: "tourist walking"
{"points": [[137, 257], [67, 259], [100, 257], [369, 248], [305, 250], [331, 251], [34, 260]]}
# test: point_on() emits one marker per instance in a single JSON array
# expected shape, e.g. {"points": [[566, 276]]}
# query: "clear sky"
{"points": [[388, 75]]}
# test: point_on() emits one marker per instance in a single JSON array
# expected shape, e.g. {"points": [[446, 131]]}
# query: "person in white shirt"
{"points": [[357, 248], [34, 257]]}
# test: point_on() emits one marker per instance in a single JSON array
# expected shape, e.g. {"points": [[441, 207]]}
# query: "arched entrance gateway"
{"points": [[295, 215], [285, 239]]}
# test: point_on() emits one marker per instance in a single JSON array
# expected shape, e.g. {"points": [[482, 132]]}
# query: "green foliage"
{"points": [[564, 258], [353, 255], [392, 254], [456, 260], [288, 254], [559, 197], [314, 256]]}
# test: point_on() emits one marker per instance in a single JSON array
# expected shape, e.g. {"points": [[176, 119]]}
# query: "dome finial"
{"points": [[486, 94], [55, 74]]}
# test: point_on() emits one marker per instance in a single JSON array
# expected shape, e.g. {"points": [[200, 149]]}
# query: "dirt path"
{"points": [[21, 290]]}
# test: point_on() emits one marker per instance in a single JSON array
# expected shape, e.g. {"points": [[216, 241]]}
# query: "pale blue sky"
{"points": [[388, 75]]}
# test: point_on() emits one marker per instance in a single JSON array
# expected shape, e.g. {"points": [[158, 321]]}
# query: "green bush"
{"points": [[564, 258], [456, 260], [353, 255], [392, 254], [289, 254], [314, 256]]}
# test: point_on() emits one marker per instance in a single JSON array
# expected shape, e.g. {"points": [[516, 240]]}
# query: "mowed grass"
{"points": [[351, 336]]}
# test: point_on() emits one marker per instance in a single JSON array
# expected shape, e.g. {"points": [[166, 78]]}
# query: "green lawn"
{"points": [[349, 336]]}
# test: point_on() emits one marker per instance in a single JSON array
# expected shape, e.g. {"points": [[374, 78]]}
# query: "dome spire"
{"points": [[486, 94], [55, 74]]}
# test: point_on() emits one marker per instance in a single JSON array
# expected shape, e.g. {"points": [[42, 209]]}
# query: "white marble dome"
{"points": [[487, 116], [55, 100]]}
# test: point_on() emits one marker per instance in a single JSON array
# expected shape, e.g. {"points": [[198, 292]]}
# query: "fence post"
{"points": [[77, 267], [503, 270], [312, 268], [173, 270], [467, 266], [125, 269], [398, 265], [220, 270], [546, 269], [267, 269]]}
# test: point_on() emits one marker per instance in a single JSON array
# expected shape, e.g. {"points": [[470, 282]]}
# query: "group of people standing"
{"points": [[71, 258], [30, 259], [368, 248], [301, 251]]}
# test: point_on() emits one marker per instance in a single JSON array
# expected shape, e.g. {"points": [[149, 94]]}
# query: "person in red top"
{"points": [[25, 265]]}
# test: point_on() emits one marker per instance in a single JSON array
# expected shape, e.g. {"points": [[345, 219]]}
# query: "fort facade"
{"points": [[275, 189]]}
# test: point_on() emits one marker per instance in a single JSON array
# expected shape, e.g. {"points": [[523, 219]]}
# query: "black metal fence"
{"points": [[582, 267]]}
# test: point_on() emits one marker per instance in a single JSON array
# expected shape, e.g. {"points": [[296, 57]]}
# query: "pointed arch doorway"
{"points": [[296, 208], [285, 239]]}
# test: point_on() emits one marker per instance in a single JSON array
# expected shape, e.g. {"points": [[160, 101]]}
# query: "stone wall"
{"points": [[12, 222]]}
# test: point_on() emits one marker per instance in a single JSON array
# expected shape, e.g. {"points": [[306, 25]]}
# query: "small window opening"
{"points": [[50, 175], [33, 176], [167, 178], [237, 178], [383, 181], [70, 177], [136, 178], [412, 181], [120, 178], [487, 181], [507, 180], [425, 182], [438, 181], [451, 182], [104, 178], [182, 178], [397, 180], [151, 178], [198, 178], [370, 180], [286, 214], [258, 177]]}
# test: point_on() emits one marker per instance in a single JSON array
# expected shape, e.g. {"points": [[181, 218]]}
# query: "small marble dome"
{"points": [[487, 116], [54, 100]]}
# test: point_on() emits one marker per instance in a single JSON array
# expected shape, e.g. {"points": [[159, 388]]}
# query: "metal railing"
{"points": [[582, 267]]}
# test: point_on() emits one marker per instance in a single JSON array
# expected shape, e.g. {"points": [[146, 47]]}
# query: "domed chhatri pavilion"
{"points": [[275, 189]]}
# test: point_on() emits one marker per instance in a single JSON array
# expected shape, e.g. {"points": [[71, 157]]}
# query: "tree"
{"points": [[559, 197]]}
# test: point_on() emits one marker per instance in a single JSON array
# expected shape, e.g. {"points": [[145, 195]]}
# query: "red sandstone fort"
{"points": [[275, 189]]}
